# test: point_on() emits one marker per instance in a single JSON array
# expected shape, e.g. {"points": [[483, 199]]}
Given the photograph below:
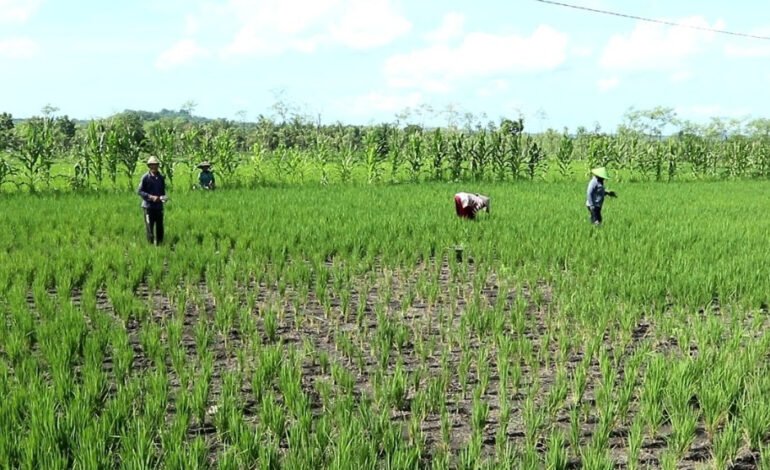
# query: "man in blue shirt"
{"points": [[152, 190], [595, 194], [206, 177]]}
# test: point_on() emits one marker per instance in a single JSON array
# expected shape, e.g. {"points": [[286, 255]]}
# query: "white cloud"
{"points": [[741, 47], [493, 88], [681, 76], [732, 50], [275, 26], [368, 23], [478, 55], [183, 52], [451, 28], [383, 102], [606, 84], [191, 25], [18, 48], [655, 46], [18, 11], [581, 51], [749, 48]]}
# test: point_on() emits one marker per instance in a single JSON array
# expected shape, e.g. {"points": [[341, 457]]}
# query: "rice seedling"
{"points": [[304, 338], [726, 443]]}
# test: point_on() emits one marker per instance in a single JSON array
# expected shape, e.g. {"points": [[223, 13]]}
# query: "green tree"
{"points": [[652, 122], [757, 127], [67, 129]]}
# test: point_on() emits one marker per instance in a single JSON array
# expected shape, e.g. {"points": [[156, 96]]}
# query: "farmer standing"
{"points": [[467, 204], [595, 194], [206, 177], [152, 190]]}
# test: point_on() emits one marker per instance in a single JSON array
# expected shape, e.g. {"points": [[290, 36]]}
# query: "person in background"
{"points": [[206, 177], [595, 194], [152, 190], [467, 204]]}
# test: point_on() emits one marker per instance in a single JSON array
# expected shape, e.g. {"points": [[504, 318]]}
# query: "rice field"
{"points": [[343, 327]]}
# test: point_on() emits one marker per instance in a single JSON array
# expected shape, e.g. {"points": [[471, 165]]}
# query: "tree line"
{"points": [[653, 144]]}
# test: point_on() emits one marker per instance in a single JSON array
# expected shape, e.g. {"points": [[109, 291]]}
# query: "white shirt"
{"points": [[477, 200]]}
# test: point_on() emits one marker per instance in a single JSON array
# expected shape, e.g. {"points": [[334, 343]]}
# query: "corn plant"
{"points": [[376, 150], [414, 155], [162, 142], [36, 150], [225, 155]]}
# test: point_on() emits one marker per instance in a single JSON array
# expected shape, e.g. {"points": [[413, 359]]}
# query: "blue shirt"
{"points": [[151, 186], [595, 193], [206, 178]]}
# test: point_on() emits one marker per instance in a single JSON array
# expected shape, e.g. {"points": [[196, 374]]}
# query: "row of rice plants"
{"points": [[335, 330]]}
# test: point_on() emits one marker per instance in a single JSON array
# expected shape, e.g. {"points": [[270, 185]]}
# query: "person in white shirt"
{"points": [[467, 204]]}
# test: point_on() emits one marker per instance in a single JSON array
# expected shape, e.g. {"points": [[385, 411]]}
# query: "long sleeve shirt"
{"points": [[151, 185], [205, 178], [595, 193], [476, 201]]}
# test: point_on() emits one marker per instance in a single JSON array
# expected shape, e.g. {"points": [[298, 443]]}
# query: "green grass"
{"points": [[308, 326]]}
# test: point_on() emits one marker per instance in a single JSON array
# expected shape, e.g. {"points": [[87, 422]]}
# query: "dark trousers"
{"points": [[596, 215], [153, 221]]}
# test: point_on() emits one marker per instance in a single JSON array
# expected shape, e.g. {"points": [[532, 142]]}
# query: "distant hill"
{"points": [[181, 115], [167, 114]]}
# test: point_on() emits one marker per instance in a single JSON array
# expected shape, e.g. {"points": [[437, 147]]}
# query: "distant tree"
{"points": [[759, 127], [452, 116], [188, 107], [652, 122], [66, 131]]}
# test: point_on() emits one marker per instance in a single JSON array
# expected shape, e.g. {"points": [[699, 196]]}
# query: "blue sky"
{"points": [[364, 61]]}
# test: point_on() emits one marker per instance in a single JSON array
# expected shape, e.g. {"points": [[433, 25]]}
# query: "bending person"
{"points": [[467, 204]]}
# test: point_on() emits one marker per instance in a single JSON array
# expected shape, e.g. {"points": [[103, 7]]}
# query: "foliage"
{"points": [[36, 150], [645, 147], [333, 332]]}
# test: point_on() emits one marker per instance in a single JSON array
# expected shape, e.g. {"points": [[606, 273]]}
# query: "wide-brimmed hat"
{"points": [[601, 172], [153, 160], [204, 164]]}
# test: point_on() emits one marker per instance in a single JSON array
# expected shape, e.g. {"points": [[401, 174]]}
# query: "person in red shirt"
{"points": [[468, 204]]}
